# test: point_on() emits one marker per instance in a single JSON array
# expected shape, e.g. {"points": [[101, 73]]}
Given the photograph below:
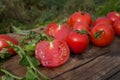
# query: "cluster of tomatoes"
{"points": [[74, 36]]}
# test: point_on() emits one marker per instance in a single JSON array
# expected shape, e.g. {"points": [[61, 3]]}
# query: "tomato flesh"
{"points": [[58, 32], [52, 54]]}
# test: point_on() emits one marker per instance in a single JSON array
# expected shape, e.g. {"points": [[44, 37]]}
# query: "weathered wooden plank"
{"points": [[93, 64], [115, 77], [97, 68], [111, 73]]}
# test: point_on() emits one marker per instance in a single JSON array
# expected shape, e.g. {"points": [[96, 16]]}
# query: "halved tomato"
{"points": [[52, 54]]}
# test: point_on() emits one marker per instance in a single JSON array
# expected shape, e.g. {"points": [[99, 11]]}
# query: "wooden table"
{"points": [[95, 63]]}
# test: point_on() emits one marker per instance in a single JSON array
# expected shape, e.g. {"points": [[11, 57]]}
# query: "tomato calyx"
{"points": [[82, 12], [4, 53], [83, 31], [98, 34]]}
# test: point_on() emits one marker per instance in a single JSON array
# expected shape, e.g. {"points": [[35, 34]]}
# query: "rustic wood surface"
{"points": [[96, 63]]}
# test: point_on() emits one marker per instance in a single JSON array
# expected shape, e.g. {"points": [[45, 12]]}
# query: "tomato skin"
{"points": [[81, 26], [113, 16], [116, 27], [79, 16], [77, 42], [4, 44], [51, 29], [52, 54], [58, 32], [106, 35], [102, 20]]}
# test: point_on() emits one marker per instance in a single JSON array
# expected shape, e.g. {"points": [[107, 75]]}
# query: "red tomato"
{"points": [[77, 42], [81, 26], [4, 44], [58, 32], [51, 29], [102, 34], [79, 16], [102, 20], [116, 27], [113, 16], [52, 54]]}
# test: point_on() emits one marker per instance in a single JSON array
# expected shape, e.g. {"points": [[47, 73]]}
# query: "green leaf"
{"points": [[35, 61], [5, 55], [31, 75], [7, 78], [23, 78], [24, 61], [19, 31], [30, 47]]}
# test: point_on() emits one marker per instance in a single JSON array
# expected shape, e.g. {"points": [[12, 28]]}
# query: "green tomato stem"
{"points": [[83, 31], [8, 73], [31, 71], [29, 60], [35, 69]]}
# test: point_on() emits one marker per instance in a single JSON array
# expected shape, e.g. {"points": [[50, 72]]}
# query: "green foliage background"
{"points": [[41, 12]]}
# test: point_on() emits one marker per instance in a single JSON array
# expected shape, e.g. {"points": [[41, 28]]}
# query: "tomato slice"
{"points": [[51, 29], [52, 54], [58, 32]]}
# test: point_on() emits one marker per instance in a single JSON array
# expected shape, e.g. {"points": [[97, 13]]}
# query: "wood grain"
{"points": [[95, 63]]}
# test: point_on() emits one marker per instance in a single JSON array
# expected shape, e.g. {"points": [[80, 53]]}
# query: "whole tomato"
{"points": [[58, 31], [79, 16], [77, 42], [81, 26], [116, 27], [113, 16], [102, 34], [3, 43], [102, 20], [52, 54]]}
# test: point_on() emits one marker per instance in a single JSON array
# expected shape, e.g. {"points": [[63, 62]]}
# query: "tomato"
{"points": [[51, 29], [116, 27], [102, 34], [58, 32], [52, 54], [77, 42], [113, 16], [102, 20], [4, 44], [79, 16], [81, 26]]}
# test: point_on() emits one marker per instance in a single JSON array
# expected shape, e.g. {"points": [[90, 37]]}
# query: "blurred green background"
{"points": [[29, 14]]}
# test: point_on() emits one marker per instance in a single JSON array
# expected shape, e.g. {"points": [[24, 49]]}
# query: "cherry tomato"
{"points": [[102, 34], [81, 26], [77, 42], [102, 20], [4, 44], [116, 27], [79, 16], [113, 16], [58, 32], [52, 54]]}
